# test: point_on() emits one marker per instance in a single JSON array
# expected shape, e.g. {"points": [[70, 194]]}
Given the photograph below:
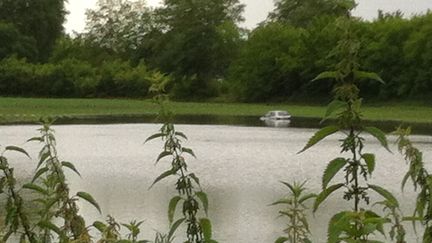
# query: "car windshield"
{"points": [[283, 113]]}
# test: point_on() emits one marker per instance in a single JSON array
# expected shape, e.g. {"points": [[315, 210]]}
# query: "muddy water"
{"points": [[239, 167]]}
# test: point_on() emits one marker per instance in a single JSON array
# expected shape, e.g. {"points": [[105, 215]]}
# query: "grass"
{"points": [[28, 109]]}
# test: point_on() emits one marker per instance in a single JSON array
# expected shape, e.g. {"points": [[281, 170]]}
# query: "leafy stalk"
{"points": [[420, 178], [16, 217], [55, 195], [190, 194], [357, 165], [295, 206]]}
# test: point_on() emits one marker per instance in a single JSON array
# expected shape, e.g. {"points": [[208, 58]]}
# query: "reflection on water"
{"points": [[299, 122], [239, 167], [277, 123]]}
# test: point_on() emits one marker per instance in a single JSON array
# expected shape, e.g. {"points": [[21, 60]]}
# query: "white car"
{"points": [[276, 115]]}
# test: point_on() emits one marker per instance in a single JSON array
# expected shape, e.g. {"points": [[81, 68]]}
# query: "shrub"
{"points": [[73, 78]]}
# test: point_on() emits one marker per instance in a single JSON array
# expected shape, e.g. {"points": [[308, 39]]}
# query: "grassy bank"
{"points": [[27, 109]]}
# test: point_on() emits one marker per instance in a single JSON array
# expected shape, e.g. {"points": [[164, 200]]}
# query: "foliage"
{"points": [[354, 226], [118, 25], [54, 215], [302, 13], [420, 178], [297, 228], [268, 64], [74, 78], [16, 218], [39, 21], [55, 199], [394, 46], [190, 195], [196, 42], [359, 224], [12, 42]]}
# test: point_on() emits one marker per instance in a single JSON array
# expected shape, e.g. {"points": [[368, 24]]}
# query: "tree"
{"points": [[302, 12], [384, 41], [197, 42], [269, 64], [118, 25], [12, 42], [418, 56], [41, 20]]}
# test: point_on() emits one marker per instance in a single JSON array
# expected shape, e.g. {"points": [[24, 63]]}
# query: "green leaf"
{"points": [[42, 158], [411, 218], [206, 228], [327, 75], [162, 176], [172, 208], [334, 230], [374, 218], [163, 154], [39, 173], [39, 139], [307, 197], [204, 199], [332, 169], [427, 236], [320, 135], [281, 239], [195, 178], [50, 226], [283, 201], [86, 196], [368, 75], [370, 162], [36, 188], [405, 179], [17, 149], [51, 202], [70, 166], [386, 194], [101, 227], [324, 194], [189, 151], [291, 187], [379, 135], [180, 134], [157, 135], [174, 227], [334, 106]]}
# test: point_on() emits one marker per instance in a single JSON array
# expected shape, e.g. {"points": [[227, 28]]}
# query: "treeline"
{"points": [[200, 47], [280, 60]]}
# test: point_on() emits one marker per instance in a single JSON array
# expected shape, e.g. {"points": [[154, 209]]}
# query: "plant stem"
{"points": [[18, 204]]}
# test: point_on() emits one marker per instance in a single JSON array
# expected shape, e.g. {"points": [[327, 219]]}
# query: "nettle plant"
{"points": [[297, 229], [190, 196], [17, 219], [421, 179], [360, 223], [53, 193], [51, 212], [52, 200]]}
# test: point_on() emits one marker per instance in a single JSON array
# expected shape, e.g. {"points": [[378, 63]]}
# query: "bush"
{"points": [[73, 78], [120, 79]]}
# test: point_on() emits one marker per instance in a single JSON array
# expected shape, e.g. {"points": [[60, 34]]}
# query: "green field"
{"points": [[26, 109]]}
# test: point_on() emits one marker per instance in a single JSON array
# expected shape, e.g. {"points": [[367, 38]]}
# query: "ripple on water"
{"points": [[240, 168]]}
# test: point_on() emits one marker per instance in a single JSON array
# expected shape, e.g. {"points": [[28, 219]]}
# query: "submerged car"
{"points": [[276, 115]]}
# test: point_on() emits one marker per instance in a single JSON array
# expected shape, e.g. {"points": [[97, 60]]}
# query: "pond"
{"points": [[239, 167]]}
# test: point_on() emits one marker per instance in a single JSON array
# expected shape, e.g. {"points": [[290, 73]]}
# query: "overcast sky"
{"points": [[257, 10]]}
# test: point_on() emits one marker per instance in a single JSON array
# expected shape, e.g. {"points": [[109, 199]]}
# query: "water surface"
{"points": [[239, 167]]}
